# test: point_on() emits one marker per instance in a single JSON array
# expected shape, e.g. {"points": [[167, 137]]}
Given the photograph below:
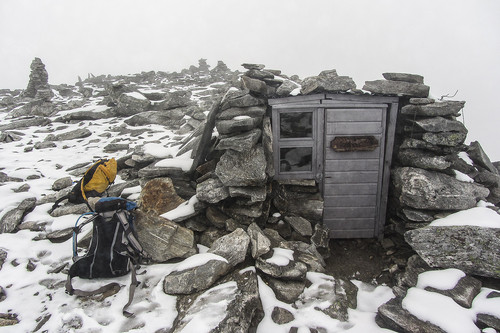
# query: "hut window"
{"points": [[294, 136]]}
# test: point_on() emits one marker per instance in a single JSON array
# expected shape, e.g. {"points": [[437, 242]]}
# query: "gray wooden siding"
{"points": [[352, 180]]}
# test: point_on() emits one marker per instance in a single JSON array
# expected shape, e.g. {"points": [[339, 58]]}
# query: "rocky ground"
{"points": [[212, 273]]}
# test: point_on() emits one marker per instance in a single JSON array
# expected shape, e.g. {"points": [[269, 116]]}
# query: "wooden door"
{"points": [[353, 169]]}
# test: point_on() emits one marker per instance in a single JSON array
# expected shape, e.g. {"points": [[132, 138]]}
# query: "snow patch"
{"points": [[281, 257], [477, 216], [184, 209]]}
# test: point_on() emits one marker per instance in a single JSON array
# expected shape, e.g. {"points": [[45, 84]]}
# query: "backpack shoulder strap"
{"points": [[110, 286]]}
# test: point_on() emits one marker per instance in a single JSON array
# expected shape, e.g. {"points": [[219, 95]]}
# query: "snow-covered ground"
{"points": [[34, 287]]}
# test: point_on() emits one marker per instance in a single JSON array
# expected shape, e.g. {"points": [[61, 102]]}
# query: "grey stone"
{"points": [[449, 139], [474, 250], [422, 159], [287, 291], [237, 125], [114, 147], [255, 194], [421, 189], [233, 247], [60, 236], [306, 253], [216, 217], [196, 278], [489, 321], [294, 270], [70, 209], [152, 171], [9, 137], [45, 145], [446, 108], [254, 85], [212, 191], [250, 66], [339, 293], [289, 202], [391, 315], [421, 101], [62, 183], [24, 123], [241, 142], [176, 99], [398, 88], [14, 216], [477, 154], [252, 111], [242, 169], [131, 103], [488, 179], [440, 124], [463, 293], [6, 178], [241, 304], [281, 316], [410, 78], [3, 256], [267, 144], [260, 243], [22, 188], [162, 239], [417, 215], [327, 81], [79, 133], [241, 101], [286, 88], [300, 224], [85, 115], [259, 74]]}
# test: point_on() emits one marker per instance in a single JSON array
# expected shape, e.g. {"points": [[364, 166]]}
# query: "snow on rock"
{"points": [[477, 216]]}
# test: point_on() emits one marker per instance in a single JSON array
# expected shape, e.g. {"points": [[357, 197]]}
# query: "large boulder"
{"points": [[240, 311], [442, 109], [340, 294], [246, 168], [472, 249], [327, 81], [233, 247], [158, 196], [11, 217], [196, 273], [162, 239], [421, 189], [399, 88], [131, 103]]}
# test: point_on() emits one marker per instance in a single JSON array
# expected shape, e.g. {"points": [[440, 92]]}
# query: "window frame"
{"points": [[302, 142]]}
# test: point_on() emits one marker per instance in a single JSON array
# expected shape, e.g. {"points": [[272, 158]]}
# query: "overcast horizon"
{"points": [[455, 45]]}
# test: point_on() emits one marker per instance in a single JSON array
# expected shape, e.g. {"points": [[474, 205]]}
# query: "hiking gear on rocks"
{"points": [[114, 249], [94, 182]]}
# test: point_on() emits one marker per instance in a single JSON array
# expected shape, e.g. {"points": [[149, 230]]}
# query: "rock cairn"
{"points": [[38, 85]]}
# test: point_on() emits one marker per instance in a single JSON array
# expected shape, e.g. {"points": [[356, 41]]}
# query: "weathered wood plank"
{"points": [[351, 224], [330, 154], [351, 177], [296, 99], [361, 98], [352, 165], [365, 233], [354, 128], [349, 212], [354, 115], [349, 189], [360, 200]]}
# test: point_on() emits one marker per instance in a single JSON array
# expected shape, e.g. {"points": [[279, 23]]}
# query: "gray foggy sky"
{"points": [[454, 44]]}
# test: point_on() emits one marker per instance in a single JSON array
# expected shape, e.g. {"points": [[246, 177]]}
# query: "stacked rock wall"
{"points": [[236, 180]]}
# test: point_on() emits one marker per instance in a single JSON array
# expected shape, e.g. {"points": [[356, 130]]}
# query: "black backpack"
{"points": [[113, 251]]}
